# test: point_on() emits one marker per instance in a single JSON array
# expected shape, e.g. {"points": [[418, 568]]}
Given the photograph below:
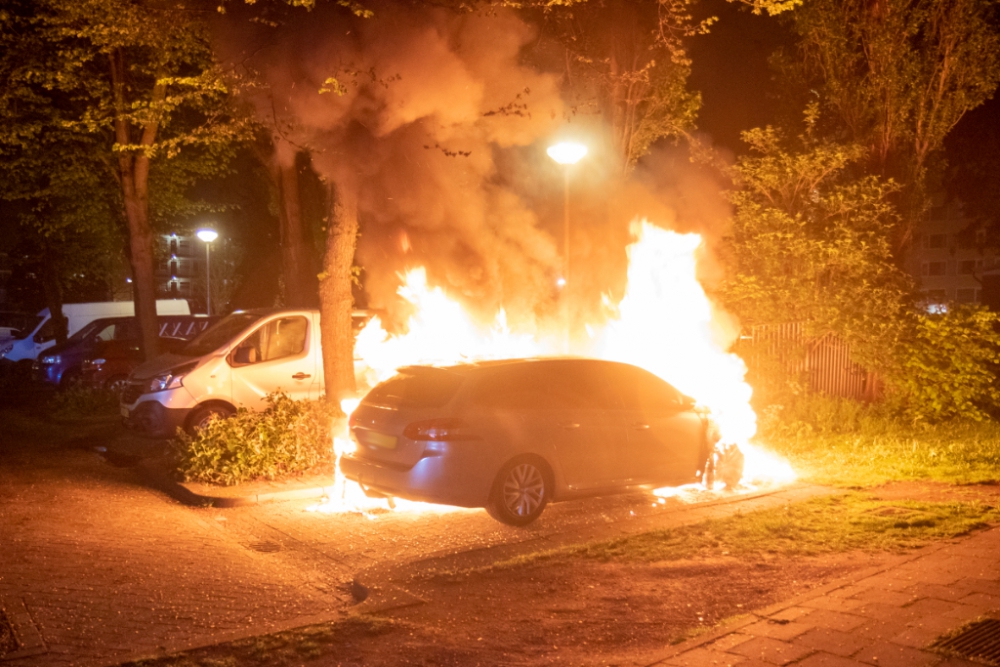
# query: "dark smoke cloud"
{"points": [[442, 129], [430, 98]]}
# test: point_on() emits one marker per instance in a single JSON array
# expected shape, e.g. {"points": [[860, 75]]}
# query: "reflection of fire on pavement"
{"points": [[665, 323]]}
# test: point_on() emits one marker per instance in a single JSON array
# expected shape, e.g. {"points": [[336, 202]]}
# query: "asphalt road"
{"points": [[98, 568]]}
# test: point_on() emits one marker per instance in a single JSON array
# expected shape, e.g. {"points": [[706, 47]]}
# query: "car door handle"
{"points": [[640, 426], [570, 426], [301, 376]]}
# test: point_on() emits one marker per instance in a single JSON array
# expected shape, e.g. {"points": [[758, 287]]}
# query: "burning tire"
{"points": [[520, 492], [726, 465], [729, 466]]}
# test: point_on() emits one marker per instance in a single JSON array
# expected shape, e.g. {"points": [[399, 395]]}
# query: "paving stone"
{"points": [[887, 654], [831, 641], [892, 598], [705, 657], [983, 601], [833, 603], [833, 620], [727, 642], [827, 660], [771, 650], [777, 630], [790, 614]]}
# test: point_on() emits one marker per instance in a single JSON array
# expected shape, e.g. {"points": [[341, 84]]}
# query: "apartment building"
{"points": [[948, 260]]}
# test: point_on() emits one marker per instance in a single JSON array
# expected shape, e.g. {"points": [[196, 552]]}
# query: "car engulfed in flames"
{"points": [[653, 399]]}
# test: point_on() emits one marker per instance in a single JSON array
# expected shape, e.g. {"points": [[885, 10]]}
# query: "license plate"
{"points": [[125, 413], [377, 439]]}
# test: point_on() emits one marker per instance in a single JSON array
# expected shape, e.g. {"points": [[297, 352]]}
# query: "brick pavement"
{"points": [[96, 569], [885, 617]]}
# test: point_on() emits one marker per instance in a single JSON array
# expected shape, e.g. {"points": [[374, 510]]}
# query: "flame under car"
{"points": [[514, 435]]}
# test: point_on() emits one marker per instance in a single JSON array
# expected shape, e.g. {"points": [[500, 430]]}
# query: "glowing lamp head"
{"points": [[567, 152], [560, 282], [207, 235]]}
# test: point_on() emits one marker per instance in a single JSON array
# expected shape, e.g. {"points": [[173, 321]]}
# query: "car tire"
{"points": [[200, 418], [729, 466], [520, 491]]}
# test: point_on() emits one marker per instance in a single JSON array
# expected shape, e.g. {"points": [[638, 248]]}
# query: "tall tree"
{"points": [[139, 79], [626, 61], [896, 76]]}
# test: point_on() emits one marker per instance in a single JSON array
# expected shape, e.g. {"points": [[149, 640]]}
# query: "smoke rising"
{"points": [[436, 121]]}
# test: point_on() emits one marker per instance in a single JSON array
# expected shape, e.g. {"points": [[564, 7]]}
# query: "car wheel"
{"points": [[117, 384], [729, 466], [202, 416], [520, 492]]}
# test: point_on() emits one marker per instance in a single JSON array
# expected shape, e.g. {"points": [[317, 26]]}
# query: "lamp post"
{"points": [[208, 235], [566, 153]]}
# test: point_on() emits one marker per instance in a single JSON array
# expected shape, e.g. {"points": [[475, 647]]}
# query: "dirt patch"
{"points": [[589, 612], [938, 492]]}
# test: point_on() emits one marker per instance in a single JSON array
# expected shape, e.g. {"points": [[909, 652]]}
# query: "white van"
{"points": [[40, 335], [236, 363]]}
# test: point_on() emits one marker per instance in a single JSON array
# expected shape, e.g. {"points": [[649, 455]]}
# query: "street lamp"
{"points": [[566, 153], [208, 235]]}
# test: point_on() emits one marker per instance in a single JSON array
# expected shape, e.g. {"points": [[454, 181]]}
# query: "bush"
{"points": [[288, 437], [83, 403], [947, 367]]}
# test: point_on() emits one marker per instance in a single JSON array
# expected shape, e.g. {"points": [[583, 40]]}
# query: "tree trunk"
{"points": [[335, 298], [52, 287], [133, 175], [140, 237], [295, 261]]}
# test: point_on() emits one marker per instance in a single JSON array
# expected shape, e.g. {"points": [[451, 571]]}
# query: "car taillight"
{"points": [[439, 430]]}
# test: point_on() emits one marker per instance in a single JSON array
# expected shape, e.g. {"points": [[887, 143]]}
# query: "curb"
{"points": [[158, 478]]}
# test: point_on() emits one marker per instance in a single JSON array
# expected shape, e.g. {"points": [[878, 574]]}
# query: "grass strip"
{"points": [[956, 454], [849, 522]]}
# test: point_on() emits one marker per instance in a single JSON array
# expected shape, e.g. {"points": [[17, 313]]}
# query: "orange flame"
{"points": [[665, 323]]}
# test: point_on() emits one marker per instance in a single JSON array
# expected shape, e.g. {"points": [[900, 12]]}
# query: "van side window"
{"points": [[284, 337]]}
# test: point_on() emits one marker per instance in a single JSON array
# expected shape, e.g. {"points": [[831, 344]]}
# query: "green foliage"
{"points": [[947, 367], [288, 437], [628, 62], [84, 403], [854, 444], [810, 245]]}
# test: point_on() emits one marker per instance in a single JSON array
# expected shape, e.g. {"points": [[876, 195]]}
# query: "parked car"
{"points": [[243, 358], [512, 436], [39, 334], [110, 362], [62, 364]]}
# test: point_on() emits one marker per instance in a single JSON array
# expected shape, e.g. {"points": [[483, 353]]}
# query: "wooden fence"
{"points": [[825, 365]]}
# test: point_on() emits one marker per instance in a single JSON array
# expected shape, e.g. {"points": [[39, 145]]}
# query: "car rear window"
{"points": [[545, 385], [432, 388]]}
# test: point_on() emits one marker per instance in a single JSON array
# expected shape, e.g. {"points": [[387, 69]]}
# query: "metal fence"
{"points": [[825, 365]]}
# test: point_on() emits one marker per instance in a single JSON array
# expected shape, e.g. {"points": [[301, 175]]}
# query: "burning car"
{"points": [[514, 435]]}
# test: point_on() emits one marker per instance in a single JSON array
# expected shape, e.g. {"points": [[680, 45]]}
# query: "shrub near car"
{"points": [[511, 436]]}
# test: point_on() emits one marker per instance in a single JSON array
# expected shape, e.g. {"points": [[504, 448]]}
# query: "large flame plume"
{"points": [[665, 323]]}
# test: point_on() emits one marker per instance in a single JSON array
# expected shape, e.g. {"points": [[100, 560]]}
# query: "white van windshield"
{"points": [[218, 335]]}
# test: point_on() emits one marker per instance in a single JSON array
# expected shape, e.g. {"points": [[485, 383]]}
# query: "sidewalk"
{"points": [[887, 617]]}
